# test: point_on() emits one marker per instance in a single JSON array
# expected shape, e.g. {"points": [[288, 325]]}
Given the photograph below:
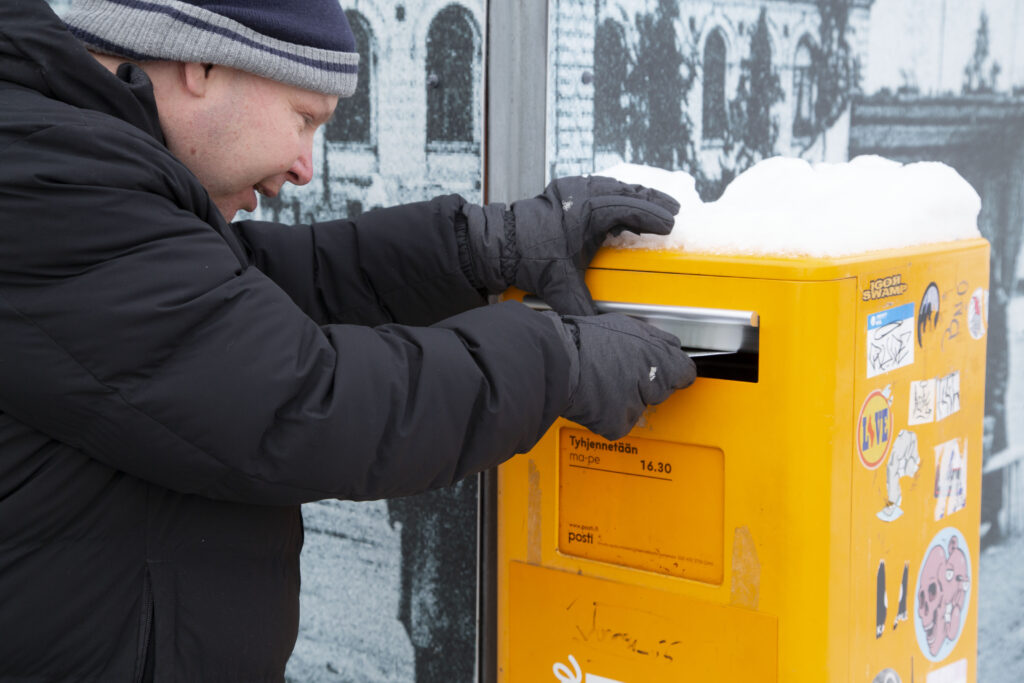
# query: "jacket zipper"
{"points": [[145, 626]]}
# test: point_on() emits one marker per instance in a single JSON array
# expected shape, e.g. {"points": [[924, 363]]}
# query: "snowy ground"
{"points": [[349, 632], [1001, 576], [1001, 615]]}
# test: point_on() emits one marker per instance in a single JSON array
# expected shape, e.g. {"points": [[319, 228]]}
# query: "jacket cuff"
{"points": [[487, 248], [466, 251]]}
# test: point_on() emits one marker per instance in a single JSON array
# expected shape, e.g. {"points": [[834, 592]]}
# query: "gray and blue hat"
{"points": [[306, 43]]}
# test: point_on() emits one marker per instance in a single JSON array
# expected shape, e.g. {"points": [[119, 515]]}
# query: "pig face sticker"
{"points": [[943, 594]]}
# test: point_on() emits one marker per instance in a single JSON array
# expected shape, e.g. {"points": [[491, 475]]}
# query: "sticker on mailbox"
{"points": [[950, 478], [881, 601], [887, 676], [977, 313], [951, 673], [947, 395], [874, 428], [904, 462], [890, 341], [922, 402], [943, 594], [575, 675], [885, 287], [901, 607], [928, 314]]}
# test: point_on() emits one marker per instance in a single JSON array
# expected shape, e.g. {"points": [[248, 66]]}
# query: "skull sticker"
{"points": [[943, 594]]}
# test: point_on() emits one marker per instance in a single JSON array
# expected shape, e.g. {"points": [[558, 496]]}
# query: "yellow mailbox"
{"points": [[807, 511]]}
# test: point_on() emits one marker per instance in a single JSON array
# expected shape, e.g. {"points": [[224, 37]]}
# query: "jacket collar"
{"points": [[38, 52]]}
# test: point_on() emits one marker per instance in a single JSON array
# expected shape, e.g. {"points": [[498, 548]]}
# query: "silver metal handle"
{"points": [[701, 331]]}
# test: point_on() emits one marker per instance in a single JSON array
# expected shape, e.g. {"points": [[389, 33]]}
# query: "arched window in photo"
{"points": [[803, 90], [714, 116], [610, 72], [353, 118], [451, 61]]}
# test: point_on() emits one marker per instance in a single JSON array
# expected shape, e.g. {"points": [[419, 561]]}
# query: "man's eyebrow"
{"points": [[319, 113], [328, 111], [325, 115]]}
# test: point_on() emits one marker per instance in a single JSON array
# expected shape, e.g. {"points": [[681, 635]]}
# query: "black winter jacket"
{"points": [[172, 387]]}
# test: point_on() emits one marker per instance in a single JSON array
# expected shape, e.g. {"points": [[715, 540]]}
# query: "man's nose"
{"points": [[301, 171]]}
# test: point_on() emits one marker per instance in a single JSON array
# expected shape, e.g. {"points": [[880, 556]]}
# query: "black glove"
{"points": [[543, 245], [619, 366]]}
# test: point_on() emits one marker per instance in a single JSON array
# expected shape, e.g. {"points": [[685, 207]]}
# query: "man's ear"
{"points": [[195, 77]]}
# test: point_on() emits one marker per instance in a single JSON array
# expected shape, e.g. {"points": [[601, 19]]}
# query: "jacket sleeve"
{"points": [[131, 330], [399, 264]]}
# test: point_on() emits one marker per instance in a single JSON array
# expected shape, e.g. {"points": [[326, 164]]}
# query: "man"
{"points": [[173, 386]]}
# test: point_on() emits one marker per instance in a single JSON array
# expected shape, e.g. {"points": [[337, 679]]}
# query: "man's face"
{"points": [[248, 134]]}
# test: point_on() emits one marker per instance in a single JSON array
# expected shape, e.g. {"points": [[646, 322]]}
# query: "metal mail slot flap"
{"points": [[724, 343]]}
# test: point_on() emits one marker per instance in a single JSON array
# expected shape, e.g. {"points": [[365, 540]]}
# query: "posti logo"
{"points": [[565, 674], [874, 428]]}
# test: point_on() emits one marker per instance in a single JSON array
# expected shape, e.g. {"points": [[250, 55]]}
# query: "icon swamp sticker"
{"points": [[885, 287], [874, 428], [943, 594], [890, 339]]}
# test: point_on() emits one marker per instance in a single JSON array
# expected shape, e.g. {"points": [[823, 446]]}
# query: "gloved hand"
{"points": [[619, 367], [543, 245]]}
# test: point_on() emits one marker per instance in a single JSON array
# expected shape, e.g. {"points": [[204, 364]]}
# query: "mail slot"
{"points": [[807, 511], [722, 342]]}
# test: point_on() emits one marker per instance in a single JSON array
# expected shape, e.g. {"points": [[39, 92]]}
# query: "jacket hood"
{"points": [[38, 52]]}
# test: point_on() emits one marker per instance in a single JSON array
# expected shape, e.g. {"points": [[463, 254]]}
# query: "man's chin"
{"points": [[229, 209], [229, 206], [227, 212]]}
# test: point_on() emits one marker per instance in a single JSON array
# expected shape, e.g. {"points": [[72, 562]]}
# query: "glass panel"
{"points": [[451, 50], [803, 90], [390, 587], [610, 101], [413, 129], [714, 86], [351, 120]]}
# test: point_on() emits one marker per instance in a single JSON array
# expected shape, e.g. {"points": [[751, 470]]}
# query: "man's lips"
{"points": [[251, 202], [266, 190]]}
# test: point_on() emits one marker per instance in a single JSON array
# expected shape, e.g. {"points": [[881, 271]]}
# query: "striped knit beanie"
{"points": [[306, 43]]}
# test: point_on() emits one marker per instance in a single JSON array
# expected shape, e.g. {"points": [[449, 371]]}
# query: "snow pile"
{"points": [[787, 207]]}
